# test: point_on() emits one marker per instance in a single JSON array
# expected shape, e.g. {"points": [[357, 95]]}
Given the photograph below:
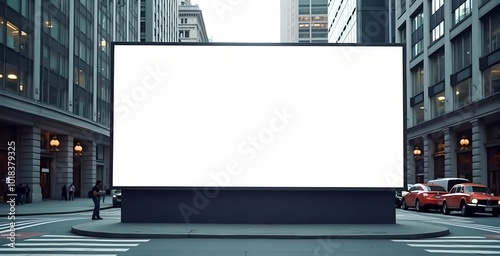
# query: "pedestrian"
{"points": [[28, 190], [97, 192], [64, 193], [72, 192], [22, 193]]}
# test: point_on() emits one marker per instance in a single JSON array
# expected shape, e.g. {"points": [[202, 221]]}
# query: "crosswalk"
{"points": [[21, 224], [70, 244], [456, 221], [456, 245]]}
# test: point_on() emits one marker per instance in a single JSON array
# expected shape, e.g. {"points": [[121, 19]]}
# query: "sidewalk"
{"points": [[54, 206], [115, 229]]}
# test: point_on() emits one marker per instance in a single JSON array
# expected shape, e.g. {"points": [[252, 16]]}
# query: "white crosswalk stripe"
{"points": [[28, 223], [456, 221], [456, 245], [73, 244]]}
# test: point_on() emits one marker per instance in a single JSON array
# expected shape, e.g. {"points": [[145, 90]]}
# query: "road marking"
{"points": [[62, 254], [446, 241], [71, 244], [461, 237], [63, 249], [34, 224], [471, 226], [464, 251], [485, 246], [90, 240]]}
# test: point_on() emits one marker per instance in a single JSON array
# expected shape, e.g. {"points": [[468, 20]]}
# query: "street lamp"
{"points": [[416, 153], [78, 149], [54, 144], [464, 142]]}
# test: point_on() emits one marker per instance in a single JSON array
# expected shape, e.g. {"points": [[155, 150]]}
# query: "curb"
{"points": [[107, 234], [65, 212]]}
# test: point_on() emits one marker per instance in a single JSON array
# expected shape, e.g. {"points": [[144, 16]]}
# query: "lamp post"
{"points": [[54, 144], [416, 153], [78, 149], [464, 142]]}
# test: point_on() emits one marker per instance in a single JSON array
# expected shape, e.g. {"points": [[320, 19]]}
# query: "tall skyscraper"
{"points": [[304, 21], [55, 87], [453, 89], [361, 21], [159, 21]]}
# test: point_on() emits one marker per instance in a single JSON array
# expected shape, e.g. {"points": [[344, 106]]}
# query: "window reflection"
{"points": [[461, 94], [418, 113], [491, 80], [438, 102]]}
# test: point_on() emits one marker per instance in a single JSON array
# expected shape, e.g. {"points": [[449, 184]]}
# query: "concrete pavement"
{"points": [[115, 229], [54, 206]]}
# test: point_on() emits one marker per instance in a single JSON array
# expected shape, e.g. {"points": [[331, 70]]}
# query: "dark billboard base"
{"points": [[258, 206]]}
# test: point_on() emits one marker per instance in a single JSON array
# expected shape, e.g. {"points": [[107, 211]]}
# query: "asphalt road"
{"points": [[50, 235]]}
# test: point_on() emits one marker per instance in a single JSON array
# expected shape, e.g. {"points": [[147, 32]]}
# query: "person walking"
{"points": [[97, 192], [72, 192], [28, 191], [64, 193]]}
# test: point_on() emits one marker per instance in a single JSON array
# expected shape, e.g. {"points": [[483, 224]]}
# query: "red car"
{"points": [[423, 197], [470, 198]]}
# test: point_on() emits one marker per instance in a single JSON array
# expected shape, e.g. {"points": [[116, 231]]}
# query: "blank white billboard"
{"points": [[258, 116]]}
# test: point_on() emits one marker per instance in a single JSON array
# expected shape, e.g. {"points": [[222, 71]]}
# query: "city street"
{"points": [[50, 235]]}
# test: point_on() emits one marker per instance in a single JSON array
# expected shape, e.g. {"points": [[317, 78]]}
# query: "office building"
{"points": [[191, 23], [159, 21], [304, 21], [55, 87], [453, 89], [361, 21]]}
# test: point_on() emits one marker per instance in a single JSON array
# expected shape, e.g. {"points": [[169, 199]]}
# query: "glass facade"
{"points": [[16, 60], [491, 32], [418, 79], [462, 51], [438, 102], [313, 21], [66, 54], [491, 80], [437, 62], [462, 94], [418, 113], [462, 12], [417, 24]]}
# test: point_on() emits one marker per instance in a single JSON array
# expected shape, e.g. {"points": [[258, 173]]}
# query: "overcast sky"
{"points": [[241, 20]]}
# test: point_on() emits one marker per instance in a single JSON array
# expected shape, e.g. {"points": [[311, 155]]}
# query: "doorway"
{"points": [[45, 176], [77, 175]]}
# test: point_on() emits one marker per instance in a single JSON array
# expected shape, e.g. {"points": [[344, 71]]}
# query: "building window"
{"points": [[491, 32], [462, 94], [436, 5], [402, 6], [438, 104], [184, 33], [417, 47], [462, 51], [491, 80], [184, 21], [437, 32], [418, 113], [462, 12], [437, 67], [418, 79], [402, 34]]}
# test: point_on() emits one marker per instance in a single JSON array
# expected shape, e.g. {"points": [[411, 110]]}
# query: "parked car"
{"points": [[399, 196], [423, 197], [470, 198], [117, 198], [448, 183]]}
